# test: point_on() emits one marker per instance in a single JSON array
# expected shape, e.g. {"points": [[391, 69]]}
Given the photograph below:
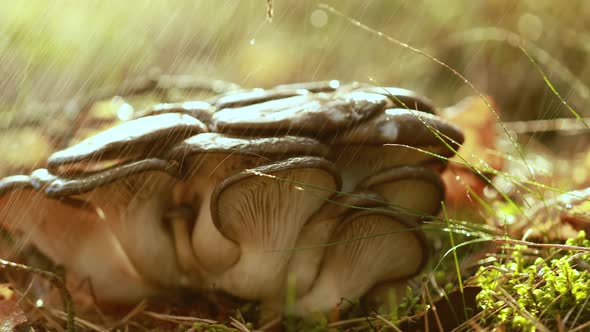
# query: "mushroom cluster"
{"points": [[318, 183]]}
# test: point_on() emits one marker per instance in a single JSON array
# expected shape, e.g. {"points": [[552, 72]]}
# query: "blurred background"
{"points": [[54, 52]]}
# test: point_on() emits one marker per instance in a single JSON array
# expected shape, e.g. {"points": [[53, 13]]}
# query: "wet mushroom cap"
{"points": [[403, 98], [199, 110], [254, 96], [313, 115], [263, 211], [315, 87], [266, 147], [145, 137], [58, 186], [395, 137], [402, 126], [416, 191]]}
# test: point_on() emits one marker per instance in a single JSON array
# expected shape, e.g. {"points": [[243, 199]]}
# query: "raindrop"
{"points": [[252, 41], [125, 112], [39, 303], [318, 18], [530, 26]]}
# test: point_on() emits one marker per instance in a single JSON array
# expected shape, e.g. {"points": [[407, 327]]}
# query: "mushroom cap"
{"points": [[263, 210], [145, 137], [409, 98], [395, 137], [199, 110], [254, 96], [218, 155], [369, 247], [309, 249], [312, 115], [317, 86], [415, 191], [403, 126]]}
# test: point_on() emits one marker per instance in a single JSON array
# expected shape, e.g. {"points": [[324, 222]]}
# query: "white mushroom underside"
{"points": [[265, 215], [75, 237], [350, 269], [134, 208], [355, 162], [413, 197]]}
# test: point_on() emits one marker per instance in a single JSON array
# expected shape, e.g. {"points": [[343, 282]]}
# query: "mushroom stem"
{"points": [[215, 252], [180, 218]]}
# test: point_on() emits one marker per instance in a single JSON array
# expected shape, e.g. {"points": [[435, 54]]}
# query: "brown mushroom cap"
{"points": [[144, 137], [365, 148], [309, 249], [244, 98], [403, 126], [70, 232], [414, 191], [403, 98], [199, 110], [317, 86], [59, 186], [371, 247], [304, 115], [196, 151], [263, 210]]}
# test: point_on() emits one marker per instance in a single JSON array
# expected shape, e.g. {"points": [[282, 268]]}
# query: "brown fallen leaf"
{"points": [[11, 315], [479, 126]]}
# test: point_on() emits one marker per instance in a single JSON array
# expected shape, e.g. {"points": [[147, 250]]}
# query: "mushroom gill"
{"points": [[369, 247], [414, 191], [263, 210], [70, 232], [132, 200], [310, 247], [210, 158]]}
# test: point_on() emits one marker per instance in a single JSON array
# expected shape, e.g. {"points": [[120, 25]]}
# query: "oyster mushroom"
{"points": [[263, 210], [210, 158], [402, 98], [368, 248], [199, 110], [313, 115], [310, 247], [145, 137], [254, 96], [132, 200], [415, 191], [69, 231], [367, 147]]}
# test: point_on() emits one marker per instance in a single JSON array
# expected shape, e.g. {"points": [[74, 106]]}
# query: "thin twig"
{"points": [[57, 282]]}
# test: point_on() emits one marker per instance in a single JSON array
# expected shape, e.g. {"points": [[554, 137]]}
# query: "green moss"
{"points": [[523, 293]]}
